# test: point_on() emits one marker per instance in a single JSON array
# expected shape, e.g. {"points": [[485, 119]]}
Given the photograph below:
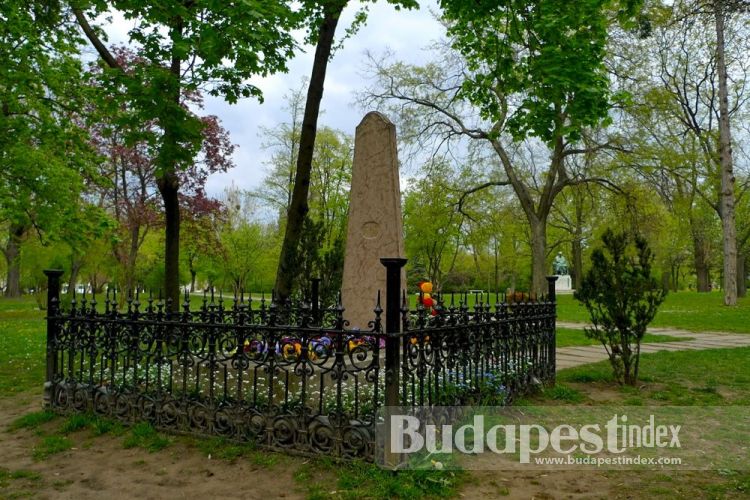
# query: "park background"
{"points": [[79, 176], [650, 164]]}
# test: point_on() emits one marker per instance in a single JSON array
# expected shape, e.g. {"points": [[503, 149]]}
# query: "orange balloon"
{"points": [[426, 287]]}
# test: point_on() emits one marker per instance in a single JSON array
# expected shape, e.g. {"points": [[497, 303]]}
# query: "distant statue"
{"points": [[560, 265]]}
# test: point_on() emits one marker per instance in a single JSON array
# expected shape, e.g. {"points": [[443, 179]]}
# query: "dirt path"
{"points": [[568, 357], [100, 468]]}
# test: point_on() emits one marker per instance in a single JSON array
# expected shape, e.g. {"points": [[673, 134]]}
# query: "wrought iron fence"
{"points": [[289, 377]]}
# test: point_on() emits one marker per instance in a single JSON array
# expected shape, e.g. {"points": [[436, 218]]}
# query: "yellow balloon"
{"points": [[426, 287], [426, 295]]}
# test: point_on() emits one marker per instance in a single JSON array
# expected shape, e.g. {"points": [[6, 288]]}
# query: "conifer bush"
{"points": [[622, 298]]}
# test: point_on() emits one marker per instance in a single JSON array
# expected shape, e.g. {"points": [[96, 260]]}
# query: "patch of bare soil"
{"points": [[100, 468], [538, 485], [604, 485]]}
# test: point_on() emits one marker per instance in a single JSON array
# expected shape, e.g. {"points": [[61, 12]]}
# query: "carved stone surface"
{"points": [[375, 225]]}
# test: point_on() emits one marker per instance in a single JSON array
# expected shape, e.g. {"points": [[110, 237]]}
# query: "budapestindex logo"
{"points": [[410, 435]]}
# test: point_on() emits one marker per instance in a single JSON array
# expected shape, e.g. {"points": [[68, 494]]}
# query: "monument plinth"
{"points": [[560, 269], [564, 283], [375, 227]]}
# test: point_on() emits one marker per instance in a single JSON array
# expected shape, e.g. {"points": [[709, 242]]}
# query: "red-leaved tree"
{"points": [[129, 169]]}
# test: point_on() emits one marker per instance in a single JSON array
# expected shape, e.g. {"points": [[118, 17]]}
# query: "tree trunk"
{"points": [[577, 261], [169, 188], [475, 257], [167, 180], [727, 173], [13, 260], [741, 275], [132, 259], [192, 280], [666, 279], [538, 255], [577, 246], [636, 368], [298, 208], [702, 268], [96, 285], [497, 266], [75, 268]]}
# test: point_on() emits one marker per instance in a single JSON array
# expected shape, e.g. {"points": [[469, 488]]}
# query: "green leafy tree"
{"points": [[676, 165], [97, 263], [183, 47], [698, 47], [243, 244], [525, 79], [43, 151], [432, 225], [549, 55], [129, 169], [200, 238], [572, 219], [622, 298]]}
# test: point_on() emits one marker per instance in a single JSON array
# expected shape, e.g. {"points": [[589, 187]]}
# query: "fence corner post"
{"points": [[551, 294], [53, 304], [392, 352], [552, 347], [392, 326]]}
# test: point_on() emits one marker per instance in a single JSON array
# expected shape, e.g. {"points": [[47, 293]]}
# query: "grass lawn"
{"points": [[706, 378], [680, 378], [687, 310], [22, 346], [568, 337], [716, 377]]}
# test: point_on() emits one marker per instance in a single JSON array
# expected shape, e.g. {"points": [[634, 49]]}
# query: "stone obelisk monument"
{"points": [[375, 225]]}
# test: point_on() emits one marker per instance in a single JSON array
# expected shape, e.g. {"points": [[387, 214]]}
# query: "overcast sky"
{"points": [[405, 33]]}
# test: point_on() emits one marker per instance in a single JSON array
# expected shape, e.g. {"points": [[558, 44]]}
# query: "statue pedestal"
{"points": [[564, 283]]}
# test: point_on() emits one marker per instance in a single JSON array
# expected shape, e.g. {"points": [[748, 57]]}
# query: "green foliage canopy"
{"points": [[208, 45], [549, 52], [44, 154]]}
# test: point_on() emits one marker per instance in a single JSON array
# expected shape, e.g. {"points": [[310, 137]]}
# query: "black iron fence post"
{"points": [[315, 299], [551, 288], [392, 328], [552, 297], [392, 352], [53, 304]]}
